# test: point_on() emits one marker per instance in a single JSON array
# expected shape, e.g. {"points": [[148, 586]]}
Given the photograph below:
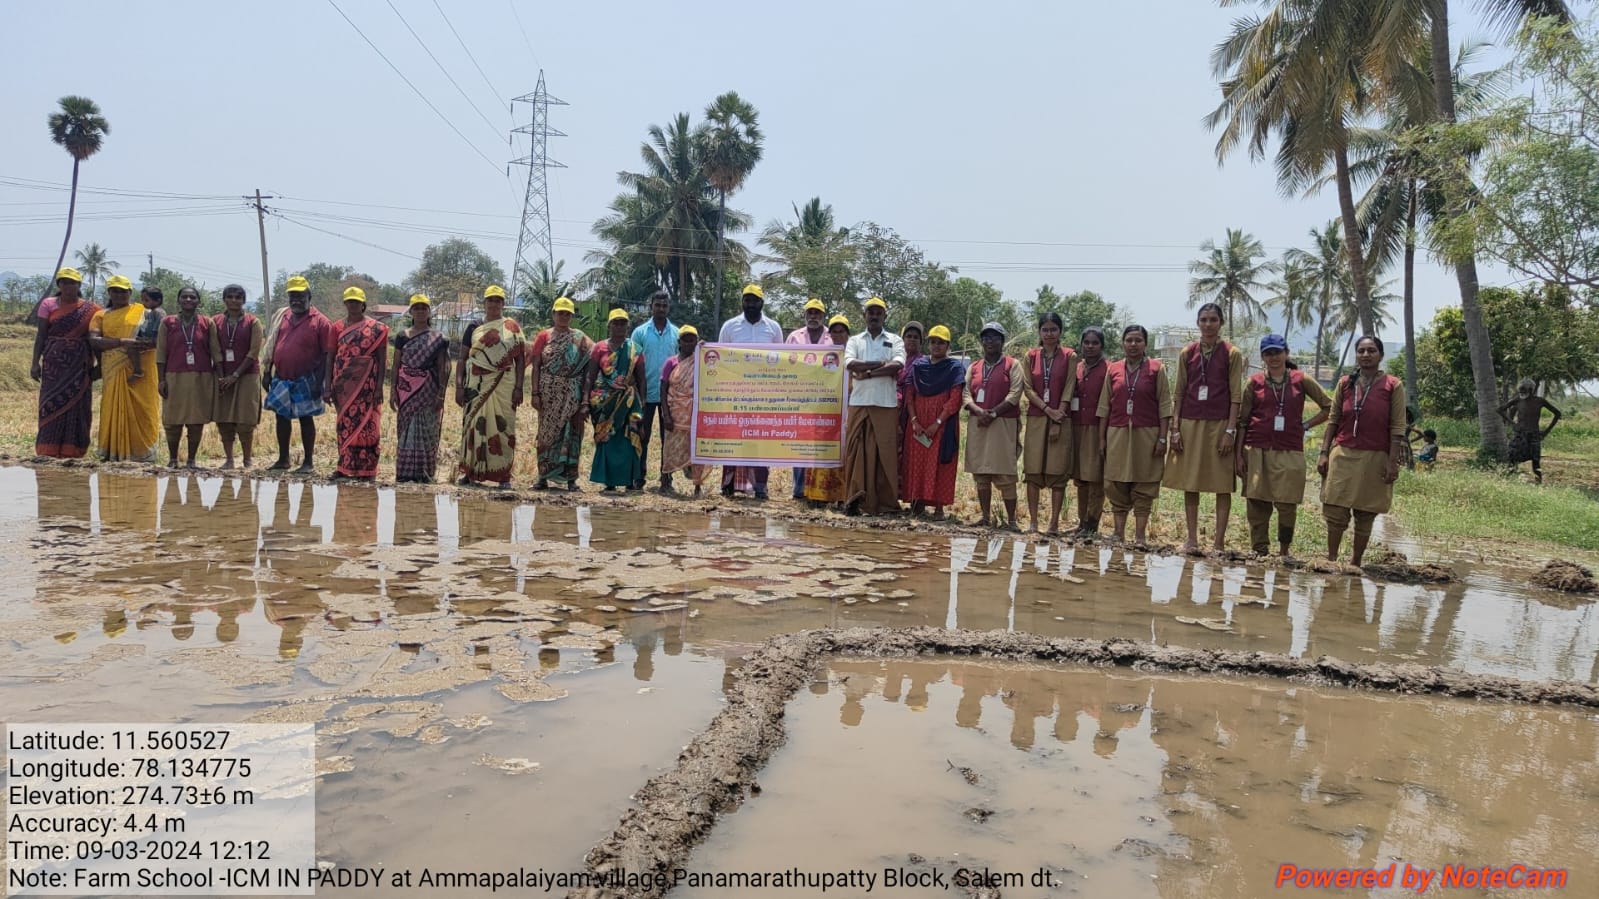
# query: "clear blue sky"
{"points": [[1024, 143]]}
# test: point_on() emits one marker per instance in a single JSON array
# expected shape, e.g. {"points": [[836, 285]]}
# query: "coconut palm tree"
{"points": [[814, 256], [730, 148], [80, 129], [1326, 272], [1347, 320], [1227, 274], [1291, 295], [1295, 74], [92, 262]]}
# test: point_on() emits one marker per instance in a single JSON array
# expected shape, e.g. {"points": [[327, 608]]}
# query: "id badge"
{"points": [[1278, 424], [188, 358], [1046, 397], [1077, 404], [227, 355], [1129, 407], [980, 392], [1204, 392]]}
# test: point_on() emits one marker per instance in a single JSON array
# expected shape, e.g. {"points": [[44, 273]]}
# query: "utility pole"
{"points": [[260, 221], [534, 235], [151, 270]]}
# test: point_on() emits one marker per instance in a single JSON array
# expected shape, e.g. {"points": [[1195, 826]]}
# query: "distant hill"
{"points": [[7, 277]]}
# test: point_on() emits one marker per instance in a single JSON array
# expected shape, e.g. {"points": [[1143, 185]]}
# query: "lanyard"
{"points": [[1049, 367], [188, 334], [1360, 402], [989, 370], [1280, 391], [1133, 376], [233, 327], [1204, 363]]}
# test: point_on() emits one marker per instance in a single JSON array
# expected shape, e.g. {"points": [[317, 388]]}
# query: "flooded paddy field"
{"points": [[1114, 783], [493, 680]]}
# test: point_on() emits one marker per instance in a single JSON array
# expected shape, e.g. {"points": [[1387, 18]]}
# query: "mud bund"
{"points": [[676, 809]]}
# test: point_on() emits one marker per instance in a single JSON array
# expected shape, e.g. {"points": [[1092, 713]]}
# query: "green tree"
{"points": [[93, 261], [1326, 274], [453, 267], [79, 128], [1291, 295], [1078, 311], [170, 282], [815, 258], [1296, 74], [1228, 275], [730, 148]]}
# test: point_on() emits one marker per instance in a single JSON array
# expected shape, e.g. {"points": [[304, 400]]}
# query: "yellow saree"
{"points": [[130, 410]]}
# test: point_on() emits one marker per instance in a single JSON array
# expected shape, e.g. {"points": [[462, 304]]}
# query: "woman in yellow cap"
{"points": [[826, 486], [62, 361], [677, 385], [559, 357], [488, 386], [360, 361], [932, 430], [616, 367], [130, 407], [421, 369]]}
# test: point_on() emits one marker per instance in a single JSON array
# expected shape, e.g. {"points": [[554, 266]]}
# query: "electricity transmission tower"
{"points": [[534, 240]]}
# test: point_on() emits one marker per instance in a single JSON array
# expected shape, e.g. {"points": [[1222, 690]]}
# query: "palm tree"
{"points": [[1291, 295], [730, 148], [1347, 321], [1432, 16], [1326, 272], [670, 214], [1226, 275], [80, 129], [1295, 74], [814, 255], [93, 263]]}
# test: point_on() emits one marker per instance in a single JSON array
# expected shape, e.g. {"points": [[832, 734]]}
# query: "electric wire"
{"points": [[446, 72], [493, 91]]}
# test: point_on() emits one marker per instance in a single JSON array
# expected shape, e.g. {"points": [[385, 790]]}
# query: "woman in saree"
{"points": [[827, 486], [360, 360], [421, 369], [130, 406], [615, 369], [932, 430], [560, 357], [488, 387], [677, 379], [62, 362]]}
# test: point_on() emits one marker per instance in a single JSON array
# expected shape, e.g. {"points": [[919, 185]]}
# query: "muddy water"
{"points": [[1126, 785], [476, 665]]}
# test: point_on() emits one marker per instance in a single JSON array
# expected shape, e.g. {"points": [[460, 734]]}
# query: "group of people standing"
{"points": [[1119, 429]]}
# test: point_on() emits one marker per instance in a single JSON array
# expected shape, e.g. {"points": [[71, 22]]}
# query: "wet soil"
{"points": [[1567, 577], [474, 661], [1176, 786]]}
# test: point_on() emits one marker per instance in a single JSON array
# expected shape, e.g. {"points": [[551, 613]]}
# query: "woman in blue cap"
{"points": [[1271, 455]]}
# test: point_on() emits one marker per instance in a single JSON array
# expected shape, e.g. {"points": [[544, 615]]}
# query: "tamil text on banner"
{"points": [[769, 404]]}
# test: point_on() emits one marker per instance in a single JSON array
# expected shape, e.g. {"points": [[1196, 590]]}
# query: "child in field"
{"points": [[1526, 411], [1429, 448]]}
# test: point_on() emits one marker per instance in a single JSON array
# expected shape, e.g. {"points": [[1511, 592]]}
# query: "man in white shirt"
{"points": [[751, 327], [874, 359]]}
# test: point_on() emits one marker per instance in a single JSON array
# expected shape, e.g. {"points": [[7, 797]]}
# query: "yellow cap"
{"points": [[938, 332], [616, 314], [564, 305], [878, 302], [418, 299], [118, 282], [69, 274], [688, 329], [494, 290], [838, 320], [297, 283], [755, 289], [354, 293], [816, 304]]}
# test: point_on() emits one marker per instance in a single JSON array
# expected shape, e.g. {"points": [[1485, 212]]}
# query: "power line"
{"points": [[344, 237], [472, 57], [446, 72], [530, 50], [419, 94]]}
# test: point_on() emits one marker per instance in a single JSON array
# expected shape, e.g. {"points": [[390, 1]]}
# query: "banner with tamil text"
{"points": [[769, 404]]}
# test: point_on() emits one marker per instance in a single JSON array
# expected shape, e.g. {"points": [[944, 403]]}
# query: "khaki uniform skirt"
{"points": [[241, 405], [1275, 476], [190, 398], [1130, 455], [1199, 468], [1354, 480], [1085, 454], [1045, 462]]}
